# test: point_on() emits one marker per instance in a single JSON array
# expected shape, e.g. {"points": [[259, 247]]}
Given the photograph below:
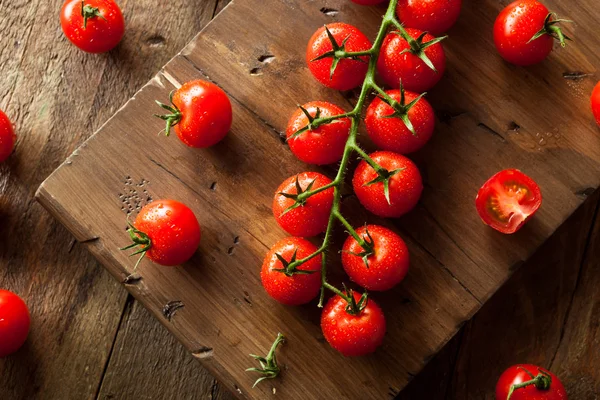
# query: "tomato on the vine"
{"points": [[340, 74], [390, 130], [507, 200], [529, 382], [14, 322], [434, 16], [596, 103], [353, 335], [288, 284], [200, 114], [7, 137], [401, 177], [95, 26], [317, 145], [303, 217], [167, 231], [401, 61], [525, 31], [381, 264]]}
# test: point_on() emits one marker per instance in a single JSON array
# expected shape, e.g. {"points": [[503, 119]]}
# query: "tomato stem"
{"points": [[269, 368], [88, 12], [542, 381]]}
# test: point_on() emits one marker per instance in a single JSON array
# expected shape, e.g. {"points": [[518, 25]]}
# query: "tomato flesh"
{"points": [[434, 16], [14, 322], [596, 103], [507, 200]]}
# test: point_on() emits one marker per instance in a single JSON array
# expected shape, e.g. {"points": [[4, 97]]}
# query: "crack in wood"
{"points": [[330, 12], [132, 279], [492, 131], [575, 75], [513, 126], [585, 192], [448, 116], [171, 308], [203, 352]]}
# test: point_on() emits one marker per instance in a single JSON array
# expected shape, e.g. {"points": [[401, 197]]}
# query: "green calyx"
{"points": [[311, 122], [384, 176], [401, 109], [542, 381], [417, 46], [337, 53], [269, 369], [171, 119], [89, 12], [290, 268], [551, 28], [368, 248], [355, 307], [138, 238], [299, 199]]}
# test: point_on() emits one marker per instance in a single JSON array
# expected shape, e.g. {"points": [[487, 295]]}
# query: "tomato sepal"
{"points": [[290, 268], [384, 176], [355, 307], [138, 238], [368, 246], [541, 381], [269, 368], [171, 119], [338, 52], [417, 47], [298, 199], [552, 30], [88, 12], [400, 108]]}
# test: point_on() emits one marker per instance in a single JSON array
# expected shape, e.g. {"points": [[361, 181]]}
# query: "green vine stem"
{"points": [[368, 86]]}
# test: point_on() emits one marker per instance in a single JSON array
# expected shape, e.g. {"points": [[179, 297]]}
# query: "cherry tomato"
{"points": [[368, 2], [382, 264], [348, 73], [312, 215], [353, 335], [595, 104], [405, 184], [14, 322], [433, 16], [324, 144], [291, 286], [541, 384], [95, 26], [7, 137], [200, 114], [395, 66], [166, 231], [517, 25], [507, 200], [392, 133]]}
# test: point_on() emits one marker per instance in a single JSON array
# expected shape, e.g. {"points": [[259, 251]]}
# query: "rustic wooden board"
{"points": [[457, 263]]}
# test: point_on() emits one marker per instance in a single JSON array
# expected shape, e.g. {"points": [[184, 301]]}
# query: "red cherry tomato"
{"points": [[434, 16], [95, 26], [14, 322], [507, 200], [353, 335], [7, 137], [289, 286], [310, 218], [595, 103], [515, 28], [395, 66], [541, 384], [200, 114], [405, 186], [392, 133], [382, 264], [324, 144], [168, 231], [348, 73], [368, 2]]}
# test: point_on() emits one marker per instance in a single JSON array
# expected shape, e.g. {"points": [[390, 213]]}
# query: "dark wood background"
{"points": [[90, 339]]}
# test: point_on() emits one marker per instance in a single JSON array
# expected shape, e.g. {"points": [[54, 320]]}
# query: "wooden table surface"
{"points": [[89, 339]]}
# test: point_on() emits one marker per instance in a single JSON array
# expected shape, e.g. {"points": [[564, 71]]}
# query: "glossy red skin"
{"points": [[7, 137], [311, 218], [206, 113], [508, 208], [348, 74], [387, 267], [324, 145], [99, 36], [173, 230], [368, 2], [515, 26], [416, 76], [296, 289], [14, 322], [391, 133], [405, 187], [516, 375], [596, 103], [433, 16], [353, 335]]}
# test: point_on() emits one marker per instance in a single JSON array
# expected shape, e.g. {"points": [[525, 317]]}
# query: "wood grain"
{"points": [[452, 266]]}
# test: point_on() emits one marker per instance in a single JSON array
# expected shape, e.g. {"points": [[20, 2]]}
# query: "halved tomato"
{"points": [[507, 200]]}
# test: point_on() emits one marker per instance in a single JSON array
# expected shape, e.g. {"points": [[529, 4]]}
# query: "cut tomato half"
{"points": [[507, 200]]}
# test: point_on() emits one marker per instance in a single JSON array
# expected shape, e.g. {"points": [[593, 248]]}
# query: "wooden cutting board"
{"points": [[490, 116]]}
